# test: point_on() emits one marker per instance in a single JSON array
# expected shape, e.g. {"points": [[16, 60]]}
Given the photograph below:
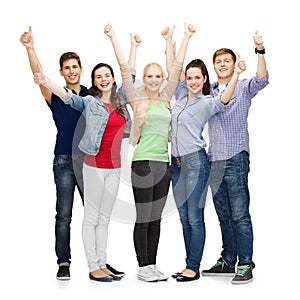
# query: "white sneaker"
{"points": [[146, 274], [161, 276]]}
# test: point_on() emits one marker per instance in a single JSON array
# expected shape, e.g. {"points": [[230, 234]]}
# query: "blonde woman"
{"points": [[149, 135]]}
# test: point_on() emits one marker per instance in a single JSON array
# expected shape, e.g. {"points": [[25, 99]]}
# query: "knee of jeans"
{"points": [[244, 223], [196, 222], [63, 215]]}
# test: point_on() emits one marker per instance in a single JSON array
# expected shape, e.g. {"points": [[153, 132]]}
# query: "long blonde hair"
{"points": [[141, 110]]}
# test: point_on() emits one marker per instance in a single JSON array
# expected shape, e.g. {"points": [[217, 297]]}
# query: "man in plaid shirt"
{"points": [[229, 156]]}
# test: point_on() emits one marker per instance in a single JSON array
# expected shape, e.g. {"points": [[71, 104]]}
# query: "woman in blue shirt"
{"points": [[190, 164]]}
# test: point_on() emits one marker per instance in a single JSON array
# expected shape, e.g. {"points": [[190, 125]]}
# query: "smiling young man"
{"points": [[229, 156]]}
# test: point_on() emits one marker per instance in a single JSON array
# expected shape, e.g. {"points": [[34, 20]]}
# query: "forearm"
{"points": [[33, 60], [132, 57], [56, 89], [118, 51], [228, 92], [182, 49], [261, 66], [169, 55]]}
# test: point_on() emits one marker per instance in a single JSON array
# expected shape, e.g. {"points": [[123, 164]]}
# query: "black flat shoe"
{"points": [[182, 278], [114, 271], [175, 275], [102, 279]]}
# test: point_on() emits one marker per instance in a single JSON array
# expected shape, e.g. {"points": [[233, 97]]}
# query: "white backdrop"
{"points": [[28, 262]]}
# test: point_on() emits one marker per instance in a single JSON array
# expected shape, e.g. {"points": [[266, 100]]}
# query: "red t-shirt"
{"points": [[109, 154]]}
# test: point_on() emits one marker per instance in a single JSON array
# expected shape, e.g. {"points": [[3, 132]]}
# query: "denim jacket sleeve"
{"points": [[75, 101]]}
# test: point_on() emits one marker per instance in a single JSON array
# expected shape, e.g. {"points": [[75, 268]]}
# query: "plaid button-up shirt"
{"points": [[228, 130]]}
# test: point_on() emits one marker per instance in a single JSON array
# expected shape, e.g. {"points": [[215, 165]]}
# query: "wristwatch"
{"points": [[262, 51]]}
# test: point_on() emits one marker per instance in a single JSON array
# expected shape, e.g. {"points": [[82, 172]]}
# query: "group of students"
{"points": [[92, 122]]}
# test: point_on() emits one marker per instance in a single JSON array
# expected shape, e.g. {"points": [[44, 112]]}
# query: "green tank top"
{"points": [[153, 143]]}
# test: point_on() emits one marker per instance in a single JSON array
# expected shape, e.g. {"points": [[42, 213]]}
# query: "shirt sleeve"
{"points": [[78, 102]]}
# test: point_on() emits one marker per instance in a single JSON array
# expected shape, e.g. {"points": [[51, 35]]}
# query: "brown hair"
{"points": [[114, 96], [224, 51], [67, 56]]}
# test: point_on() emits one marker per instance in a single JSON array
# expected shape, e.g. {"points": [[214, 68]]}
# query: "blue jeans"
{"points": [[67, 176], [229, 186], [190, 175]]}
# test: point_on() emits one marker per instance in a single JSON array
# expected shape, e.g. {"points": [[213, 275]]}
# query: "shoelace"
{"points": [[218, 263], [241, 270]]}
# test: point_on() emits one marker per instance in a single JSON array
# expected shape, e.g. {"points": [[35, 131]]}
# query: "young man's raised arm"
{"points": [[28, 41]]}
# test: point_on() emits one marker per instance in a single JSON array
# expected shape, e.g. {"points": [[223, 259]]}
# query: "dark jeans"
{"points": [[150, 184], [229, 186], [67, 176]]}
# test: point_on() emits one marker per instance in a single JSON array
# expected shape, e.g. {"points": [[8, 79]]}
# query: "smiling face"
{"points": [[71, 71], [195, 80], [224, 67], [153, 78], [103, 79]]}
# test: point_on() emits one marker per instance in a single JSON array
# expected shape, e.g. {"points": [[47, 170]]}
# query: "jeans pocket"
{"points": [[61, 161]]}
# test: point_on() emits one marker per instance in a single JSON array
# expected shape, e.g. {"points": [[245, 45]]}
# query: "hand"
{"points": [[135, 40], [167, 32], [39, 77], [108, 30], [258, 41], [27, 38], [189, 29], [240, 65]]}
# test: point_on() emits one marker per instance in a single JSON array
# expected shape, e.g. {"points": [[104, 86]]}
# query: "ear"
{"points": [[205, 78]]}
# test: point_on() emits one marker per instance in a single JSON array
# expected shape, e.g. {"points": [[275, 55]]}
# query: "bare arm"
{"points": [[167, 34], [261, 62], [127, 81], [27, 40], [42, 80], [189, 30], [135, 41], [108, 30], [240, 67]]}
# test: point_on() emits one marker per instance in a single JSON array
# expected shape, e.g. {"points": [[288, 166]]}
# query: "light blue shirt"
{"points": [[188, 119]]}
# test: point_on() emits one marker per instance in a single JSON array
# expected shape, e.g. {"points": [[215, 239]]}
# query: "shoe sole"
{"points": [[147, 279], [218, 274], [242, 281], [63, 278], [162, 279]]}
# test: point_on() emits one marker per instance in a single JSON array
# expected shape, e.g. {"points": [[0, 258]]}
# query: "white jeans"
{"points": [[100, 193]]}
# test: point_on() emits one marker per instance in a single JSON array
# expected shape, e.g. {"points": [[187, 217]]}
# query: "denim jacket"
{"points": [[96, 114]]}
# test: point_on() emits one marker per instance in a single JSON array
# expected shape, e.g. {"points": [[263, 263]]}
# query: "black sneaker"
{"points": [[114, 271], [243, 274], [219, 269], [63, 273]]}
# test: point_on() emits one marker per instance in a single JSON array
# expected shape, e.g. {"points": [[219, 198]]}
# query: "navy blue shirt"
{"points": [[69, 123]]}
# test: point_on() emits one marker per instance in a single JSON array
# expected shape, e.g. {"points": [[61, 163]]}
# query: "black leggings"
{"points": [[150, 184]]}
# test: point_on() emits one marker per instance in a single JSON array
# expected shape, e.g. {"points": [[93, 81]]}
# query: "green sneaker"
{"points": [[243, 274], [219, 269]]}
